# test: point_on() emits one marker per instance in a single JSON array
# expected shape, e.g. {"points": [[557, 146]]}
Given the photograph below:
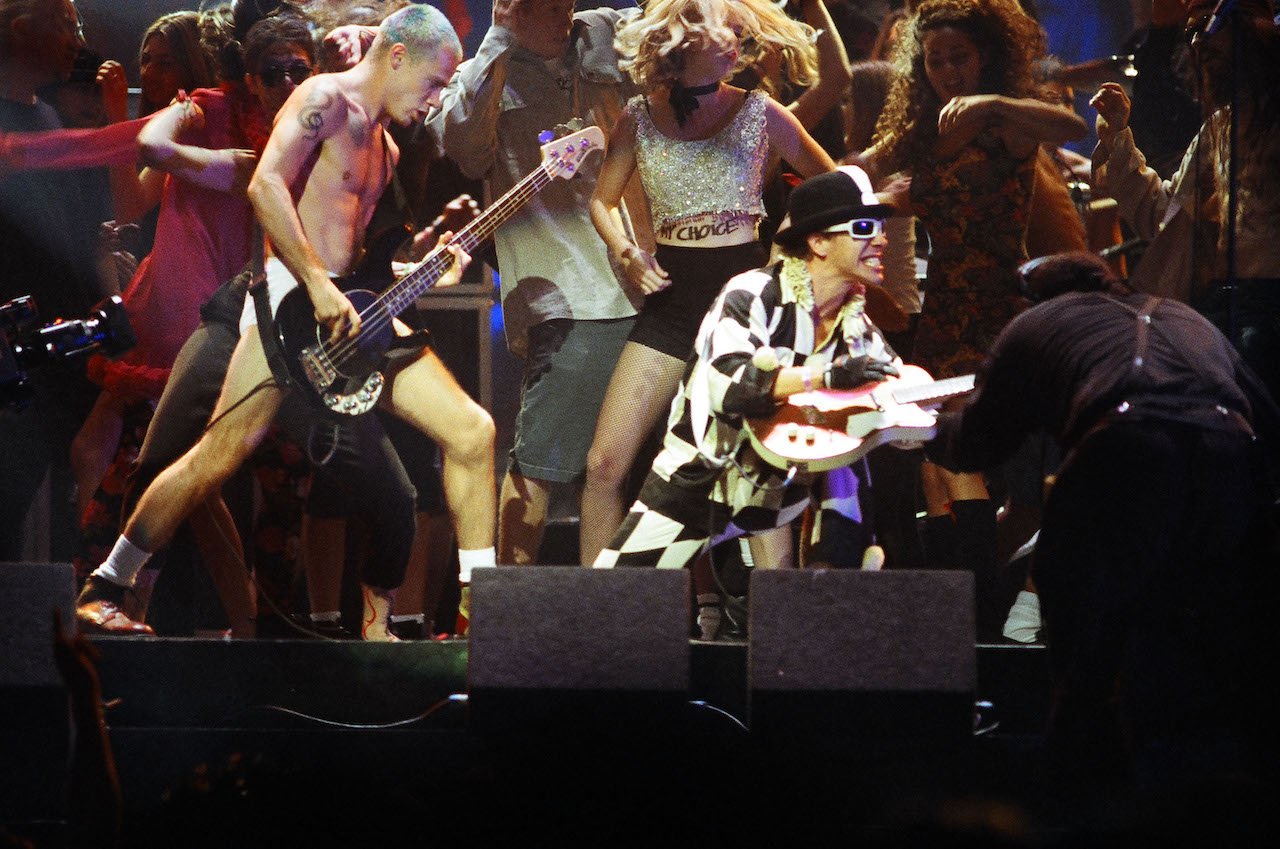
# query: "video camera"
{"points": [[25, 345]]}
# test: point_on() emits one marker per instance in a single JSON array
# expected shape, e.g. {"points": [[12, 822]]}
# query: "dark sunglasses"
{"points": [[273, 75]]}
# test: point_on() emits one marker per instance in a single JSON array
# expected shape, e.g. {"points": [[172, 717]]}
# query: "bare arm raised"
{"points": [[833, 68], [1022, 122], [793, 142], [226, 170], [315, 112]]}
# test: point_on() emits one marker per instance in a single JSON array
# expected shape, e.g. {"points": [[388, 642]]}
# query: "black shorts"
{"points": [[670, 319]]}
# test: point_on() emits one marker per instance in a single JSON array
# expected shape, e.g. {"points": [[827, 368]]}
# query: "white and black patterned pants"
{"points": [[672, 522]]}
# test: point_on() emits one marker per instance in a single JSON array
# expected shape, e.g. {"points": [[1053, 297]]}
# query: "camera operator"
{"points": [[47, 236]]}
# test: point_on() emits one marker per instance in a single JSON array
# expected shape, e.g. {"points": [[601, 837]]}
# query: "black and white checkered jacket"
{"points": [[727, 379]]}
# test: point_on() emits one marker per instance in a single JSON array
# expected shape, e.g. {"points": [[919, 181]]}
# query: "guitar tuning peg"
{"points": [[545, 136]]}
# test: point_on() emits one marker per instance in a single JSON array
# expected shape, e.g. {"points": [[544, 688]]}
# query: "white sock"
{"points": [[873, 559], [1023, 622], [420, 618], [123, 563], [326, 616], [474, 558]]}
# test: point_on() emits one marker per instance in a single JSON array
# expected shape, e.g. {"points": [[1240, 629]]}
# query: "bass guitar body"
{"points": [[343, 379]]}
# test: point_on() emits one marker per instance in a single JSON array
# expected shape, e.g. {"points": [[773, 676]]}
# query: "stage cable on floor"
{"points": [[453, 699], [718, 711], [262, 593]]}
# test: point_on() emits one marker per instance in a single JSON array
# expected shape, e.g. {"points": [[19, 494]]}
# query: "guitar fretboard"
{"points": [[411, 286], [939, 390]]}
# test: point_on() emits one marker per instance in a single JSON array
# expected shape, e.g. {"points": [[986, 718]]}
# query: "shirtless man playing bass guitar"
{"points": [[327, 163]]}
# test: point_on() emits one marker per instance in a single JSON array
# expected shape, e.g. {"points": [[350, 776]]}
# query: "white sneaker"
{"points": [[1023, 623]]}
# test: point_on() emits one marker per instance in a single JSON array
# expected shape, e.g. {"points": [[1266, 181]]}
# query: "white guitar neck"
{"points": [[930, 394]]}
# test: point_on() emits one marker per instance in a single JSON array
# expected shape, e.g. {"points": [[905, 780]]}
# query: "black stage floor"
{"points": [[287, 743], [319, 741]]}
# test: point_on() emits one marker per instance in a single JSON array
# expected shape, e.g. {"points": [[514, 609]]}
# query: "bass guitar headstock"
{"points": [[563, 157]]}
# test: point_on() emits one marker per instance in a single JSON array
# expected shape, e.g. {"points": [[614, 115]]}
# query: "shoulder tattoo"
{"points": [[311, 116]]}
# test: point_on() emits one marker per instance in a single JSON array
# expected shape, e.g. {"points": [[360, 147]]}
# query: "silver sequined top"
{"points": [[722, 174]]}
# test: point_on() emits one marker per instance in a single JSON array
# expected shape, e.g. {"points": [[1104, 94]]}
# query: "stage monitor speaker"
{"points": [[887, 654], [29, 593], [35, 733], [550, 642]]}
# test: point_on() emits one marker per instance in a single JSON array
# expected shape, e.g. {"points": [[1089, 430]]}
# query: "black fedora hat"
{"points": [[827, 199]]}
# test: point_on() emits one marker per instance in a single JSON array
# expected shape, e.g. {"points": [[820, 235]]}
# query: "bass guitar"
{"points": [[343, 376], [828, 428]]}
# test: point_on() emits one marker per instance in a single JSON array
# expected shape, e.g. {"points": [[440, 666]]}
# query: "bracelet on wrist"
{"points": [[806, 377]]}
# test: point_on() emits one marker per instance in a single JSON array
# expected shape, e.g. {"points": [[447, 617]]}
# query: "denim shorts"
{"points": [[565, 377]]}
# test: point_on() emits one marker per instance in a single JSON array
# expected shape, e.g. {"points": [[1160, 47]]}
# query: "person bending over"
{"points": [[1152, 563]]}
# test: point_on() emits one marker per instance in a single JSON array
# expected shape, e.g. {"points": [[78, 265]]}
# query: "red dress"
{"points": [[202, 239]]}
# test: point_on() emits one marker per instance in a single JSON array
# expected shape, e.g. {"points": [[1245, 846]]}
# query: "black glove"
{"points": [[846, 372]]}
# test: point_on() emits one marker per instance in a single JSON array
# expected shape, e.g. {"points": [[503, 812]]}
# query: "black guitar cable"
{"points": [[265, 384]]}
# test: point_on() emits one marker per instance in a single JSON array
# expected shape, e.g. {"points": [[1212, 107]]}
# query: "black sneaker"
{"points": [[408, 630], [306, 628], [733, 621]]}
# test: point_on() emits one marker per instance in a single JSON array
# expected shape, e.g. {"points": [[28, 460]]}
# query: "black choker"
{"points": [[685, 100]]}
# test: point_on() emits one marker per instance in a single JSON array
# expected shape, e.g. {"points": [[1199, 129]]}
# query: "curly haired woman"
{"points": [[963, 124]]}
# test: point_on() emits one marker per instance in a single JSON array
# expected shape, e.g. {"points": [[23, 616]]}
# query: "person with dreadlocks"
{"points": [[1228, 269]]}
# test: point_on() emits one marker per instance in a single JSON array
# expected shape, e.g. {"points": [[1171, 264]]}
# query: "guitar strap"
{"points": [[258, 290]]}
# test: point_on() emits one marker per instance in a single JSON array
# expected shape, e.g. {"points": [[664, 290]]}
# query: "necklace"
{"points": [[684, 100], [797, 287], [796, 282]]}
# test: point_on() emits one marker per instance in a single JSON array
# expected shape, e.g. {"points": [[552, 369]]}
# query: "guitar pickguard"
{"points": [[358, 402], [821, 430]]}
